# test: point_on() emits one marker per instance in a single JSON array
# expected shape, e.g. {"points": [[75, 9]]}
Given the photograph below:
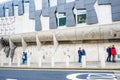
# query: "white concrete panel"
{"points": [[18, 54], [6, 12], [26, 8], [23, 24], [53, 3], [46, 52], [61, 53], [15, 10], [38, 4], [67, 1], [103, 13], [45, 23], [1, 1]]}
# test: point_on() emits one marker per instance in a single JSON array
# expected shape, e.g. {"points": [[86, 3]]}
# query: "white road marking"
{"points": [[74, 76], [92, 76], [101, 76], [10, 79]]}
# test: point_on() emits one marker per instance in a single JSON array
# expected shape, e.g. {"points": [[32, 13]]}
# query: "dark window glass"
{"points": [[62, 21], [81, 18]]}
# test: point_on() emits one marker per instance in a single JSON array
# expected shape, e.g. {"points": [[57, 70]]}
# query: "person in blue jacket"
{"points": [[83, 52], [24, 57]]}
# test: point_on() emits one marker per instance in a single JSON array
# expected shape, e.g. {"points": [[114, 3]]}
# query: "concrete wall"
{"points": [[66, 42], [22, 23], [94, 51]]}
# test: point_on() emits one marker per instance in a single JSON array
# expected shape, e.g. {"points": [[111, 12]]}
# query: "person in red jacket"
{"points": [[113, 53]]}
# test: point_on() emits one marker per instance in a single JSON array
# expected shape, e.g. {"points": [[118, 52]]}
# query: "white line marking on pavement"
{"points": [[92, 76], [10, 79]]}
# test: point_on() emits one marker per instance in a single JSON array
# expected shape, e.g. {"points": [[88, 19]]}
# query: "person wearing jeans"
{"points": [[79, 55]]}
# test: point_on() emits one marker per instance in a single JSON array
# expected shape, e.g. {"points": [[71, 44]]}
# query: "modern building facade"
{"points": [[53, 29]]}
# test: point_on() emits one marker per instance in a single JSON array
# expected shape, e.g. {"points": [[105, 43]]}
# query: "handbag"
{"points": [[118, 55]]}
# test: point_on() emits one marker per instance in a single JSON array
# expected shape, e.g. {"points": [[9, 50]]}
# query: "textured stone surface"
{"points": [[69, 40]]}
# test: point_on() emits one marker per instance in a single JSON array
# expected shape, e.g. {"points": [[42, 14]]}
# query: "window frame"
{"points": [[61, 16], [26, 7], [76, 13]]}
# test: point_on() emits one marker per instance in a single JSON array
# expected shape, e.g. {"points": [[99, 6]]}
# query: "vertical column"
{"points": [[55, 49], [12, 49], [10, 63], [10, 60], [11, 43], [40, 62], [101, 52], [28, 61], [67, 60], [12, 52], [84, 61], [1, 61], [18, 61], [53, 62], [24, 44], [103, 60], [39, 44]]}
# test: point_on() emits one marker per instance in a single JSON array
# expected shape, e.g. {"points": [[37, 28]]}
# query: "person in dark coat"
{"points": [[109, 54], [79, 55]]}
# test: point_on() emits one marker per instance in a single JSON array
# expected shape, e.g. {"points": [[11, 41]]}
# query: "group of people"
{"points": [[111, 50], [81, 52]]}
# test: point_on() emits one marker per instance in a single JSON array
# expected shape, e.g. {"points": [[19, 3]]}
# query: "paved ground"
{"points": [[12, 74], [74, 65], [75, 71]]}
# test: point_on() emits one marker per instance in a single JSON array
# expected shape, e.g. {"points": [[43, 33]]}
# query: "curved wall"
{"points": [[94, 39]]}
